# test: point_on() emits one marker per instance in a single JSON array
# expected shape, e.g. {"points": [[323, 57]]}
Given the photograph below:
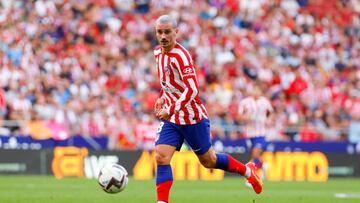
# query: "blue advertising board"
{"points": [[27, 142], [229, 146], [244, 145]]}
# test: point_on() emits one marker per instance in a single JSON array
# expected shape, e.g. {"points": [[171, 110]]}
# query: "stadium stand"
{"points": [[87, 67]]}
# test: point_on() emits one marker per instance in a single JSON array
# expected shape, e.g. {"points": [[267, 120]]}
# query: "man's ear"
{"points": [[176, 30]]}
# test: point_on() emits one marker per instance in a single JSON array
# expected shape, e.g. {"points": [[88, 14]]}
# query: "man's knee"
{"points": [[163, 157]]}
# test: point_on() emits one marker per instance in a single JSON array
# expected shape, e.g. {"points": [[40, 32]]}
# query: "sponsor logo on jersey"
{"points": [[187, 71]]}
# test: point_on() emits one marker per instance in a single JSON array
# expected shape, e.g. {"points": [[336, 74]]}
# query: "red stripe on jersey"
{"points": [[172, 80], [169, 96], [161, 93], [177, 118], [167, 103], [196, 111]]}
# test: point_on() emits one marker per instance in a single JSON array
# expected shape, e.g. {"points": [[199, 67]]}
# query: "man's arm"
{"points": [[159, 103], [186, 97], [183, 62], [189, 94]]}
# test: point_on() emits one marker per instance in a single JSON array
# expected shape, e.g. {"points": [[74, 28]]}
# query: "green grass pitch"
{"points": [[45, 189]]}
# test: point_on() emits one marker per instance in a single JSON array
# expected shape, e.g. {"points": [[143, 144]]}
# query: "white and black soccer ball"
{"points": [[113, 178]]}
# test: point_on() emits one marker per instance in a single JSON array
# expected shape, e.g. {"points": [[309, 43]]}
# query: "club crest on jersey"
{"points": [[187, 71]]}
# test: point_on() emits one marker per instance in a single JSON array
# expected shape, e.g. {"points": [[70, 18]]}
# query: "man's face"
{"points": [[166, 35]]}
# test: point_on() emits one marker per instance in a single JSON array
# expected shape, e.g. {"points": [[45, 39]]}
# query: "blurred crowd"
{"points": [[88, 65]]}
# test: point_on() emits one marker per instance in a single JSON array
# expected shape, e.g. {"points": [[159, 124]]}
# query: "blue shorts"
{"points": [[258, 142], [196, 135]]}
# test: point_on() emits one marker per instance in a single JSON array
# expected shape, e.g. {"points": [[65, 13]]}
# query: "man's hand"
{"points": [[163, 115], [158, 105]]}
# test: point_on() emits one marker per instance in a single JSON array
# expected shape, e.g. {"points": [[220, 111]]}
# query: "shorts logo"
{"points": [[196, 150]]}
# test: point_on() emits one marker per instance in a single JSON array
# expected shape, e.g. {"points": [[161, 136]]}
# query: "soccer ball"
{"points": [[113, 178]]}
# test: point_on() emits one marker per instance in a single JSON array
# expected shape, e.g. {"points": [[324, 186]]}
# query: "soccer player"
{"points": [[255, 111], [183, 115]]}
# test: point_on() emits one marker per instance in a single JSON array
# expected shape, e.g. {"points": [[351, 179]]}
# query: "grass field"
{"points": [[42, 189]]}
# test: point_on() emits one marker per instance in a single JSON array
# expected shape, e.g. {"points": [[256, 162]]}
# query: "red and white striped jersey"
{"points": [[257, 110], [179, 86]]}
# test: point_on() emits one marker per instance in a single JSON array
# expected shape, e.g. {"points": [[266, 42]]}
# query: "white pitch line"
{"points": [[347, 195]]}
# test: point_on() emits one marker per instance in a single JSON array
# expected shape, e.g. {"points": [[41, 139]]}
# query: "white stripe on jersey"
{"points": [[192, 96], [159, 60], [183, 96], [181, 116]]}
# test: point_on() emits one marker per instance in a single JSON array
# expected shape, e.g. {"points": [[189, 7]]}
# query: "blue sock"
{"points": [[222, 162], [258, 162], [164, 173]]}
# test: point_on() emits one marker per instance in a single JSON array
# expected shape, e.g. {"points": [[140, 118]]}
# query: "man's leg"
{"points": [[168, 141], [164, 177], [226, 162], [256, 157], [258, 145], [198, 137]]}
